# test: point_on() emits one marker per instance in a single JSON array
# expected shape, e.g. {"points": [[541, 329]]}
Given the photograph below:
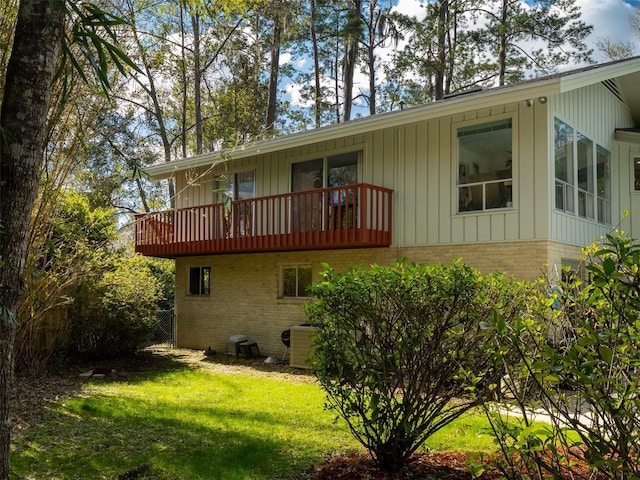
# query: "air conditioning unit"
{"points": [[302, 346]]}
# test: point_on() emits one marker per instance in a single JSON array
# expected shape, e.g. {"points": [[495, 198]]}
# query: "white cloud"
{"points": [[412, 8], [285, 58], [295, 96], [610, 19]]}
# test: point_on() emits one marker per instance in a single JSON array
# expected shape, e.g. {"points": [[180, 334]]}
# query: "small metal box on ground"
{"points": [[302, 345]]}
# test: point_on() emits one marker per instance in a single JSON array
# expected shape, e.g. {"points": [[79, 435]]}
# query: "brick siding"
{"points": [[245, 299]]}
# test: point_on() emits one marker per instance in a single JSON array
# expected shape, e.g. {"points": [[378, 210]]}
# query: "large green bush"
{"points": [[83, 295], [114, 312], [578, 362], [400, 351]]}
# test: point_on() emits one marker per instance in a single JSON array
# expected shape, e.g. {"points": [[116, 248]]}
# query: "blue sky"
{"points": [[610, 20]]}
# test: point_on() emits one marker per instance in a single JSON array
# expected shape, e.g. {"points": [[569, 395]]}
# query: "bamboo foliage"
{"points": [[48, 275]]}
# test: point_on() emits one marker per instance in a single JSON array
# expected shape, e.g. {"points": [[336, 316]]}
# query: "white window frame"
{"points": [[588, 204], [297, 267], [460, 165], [325, 166], [203, 290], [222, 182]]}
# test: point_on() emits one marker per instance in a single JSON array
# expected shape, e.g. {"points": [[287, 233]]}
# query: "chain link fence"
{"points": [[163, 331]]}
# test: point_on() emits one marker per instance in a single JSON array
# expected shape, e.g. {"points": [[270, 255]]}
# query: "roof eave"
{"points": [[464, 103], [629, 135], [579, 79]]}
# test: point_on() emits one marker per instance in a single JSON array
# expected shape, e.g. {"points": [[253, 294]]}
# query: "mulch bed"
{"points": [[441, 466], [434, 466]]}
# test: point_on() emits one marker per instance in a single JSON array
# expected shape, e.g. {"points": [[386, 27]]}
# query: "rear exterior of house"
{"points": [[515, 179]]}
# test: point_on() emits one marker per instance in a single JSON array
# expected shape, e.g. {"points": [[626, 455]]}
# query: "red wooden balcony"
{"points": [[348, 216]]}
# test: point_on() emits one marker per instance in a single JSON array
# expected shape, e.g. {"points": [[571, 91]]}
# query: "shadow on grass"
{"points": [[150, 363], [97, 438]]}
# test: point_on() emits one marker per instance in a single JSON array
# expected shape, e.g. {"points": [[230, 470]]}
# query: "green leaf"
{"points": [[609, 266], [7, 316], [605, 353]]}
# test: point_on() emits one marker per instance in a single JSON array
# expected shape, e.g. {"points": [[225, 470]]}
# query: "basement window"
{"points": [[295, 281], [199, 280]]}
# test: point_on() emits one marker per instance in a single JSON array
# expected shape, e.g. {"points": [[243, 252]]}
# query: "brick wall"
{"points": [[245, 288]]}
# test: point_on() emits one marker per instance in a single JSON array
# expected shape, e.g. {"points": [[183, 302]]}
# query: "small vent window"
{"points": [[612, 86]]}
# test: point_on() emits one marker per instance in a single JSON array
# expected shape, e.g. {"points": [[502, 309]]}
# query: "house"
{"points": [[512, 178]]}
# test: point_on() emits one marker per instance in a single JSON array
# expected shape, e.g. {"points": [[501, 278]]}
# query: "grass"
{"points": [[198, 424]]}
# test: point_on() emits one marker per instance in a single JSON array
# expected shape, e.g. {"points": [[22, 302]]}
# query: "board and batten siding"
{"points": [[629, 197], [419, 162], [595, 112], [196, 187]]}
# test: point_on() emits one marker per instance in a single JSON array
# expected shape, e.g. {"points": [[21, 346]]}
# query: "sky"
{"points": [[610, 19]]}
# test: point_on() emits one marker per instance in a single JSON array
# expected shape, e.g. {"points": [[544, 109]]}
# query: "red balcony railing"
{"points": [[348, 216]]}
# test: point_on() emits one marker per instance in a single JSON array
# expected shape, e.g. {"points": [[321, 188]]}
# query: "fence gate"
{"points": [[163, 331]]}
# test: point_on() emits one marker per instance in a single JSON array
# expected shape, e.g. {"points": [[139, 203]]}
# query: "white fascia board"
{"points": [[629, 136], [452, 106], [573, 81]]}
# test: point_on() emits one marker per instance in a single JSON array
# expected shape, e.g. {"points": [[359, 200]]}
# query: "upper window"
{"points": [[199, 280], [636, 174], [603, 180], [236, 186], [331, 171], [585, 177], [296, 281], [485, 166], [563, 143], [578, 158]]}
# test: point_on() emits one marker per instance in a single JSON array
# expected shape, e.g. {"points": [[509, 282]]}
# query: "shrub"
{"points": [[114, 315], [399, 350], [580, 354]]}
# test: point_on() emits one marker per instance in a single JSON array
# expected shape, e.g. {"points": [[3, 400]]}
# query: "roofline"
{"points": [[599, 73], [539, 87], [629, 135], [451, 106]]}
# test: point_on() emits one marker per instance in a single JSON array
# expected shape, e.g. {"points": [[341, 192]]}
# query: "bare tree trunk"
{"points": [[502, 47], [452, 42], [197, 81], [336, 77], [183, 79], [443, 7], [273, 75], [371, 58], [316, 67], [27, 94], [350, 57], [156, 111]]}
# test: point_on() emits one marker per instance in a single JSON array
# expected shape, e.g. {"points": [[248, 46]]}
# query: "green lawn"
{"points": [[197, 424]]}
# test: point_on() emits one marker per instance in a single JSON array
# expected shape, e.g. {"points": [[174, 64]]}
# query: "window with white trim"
{"points": [[331, 171], [603, 184], [295, 281], [485, 178], [236, 186], [582, 174], [636, 174], [563, 143], [585, 176], [199, 280]]}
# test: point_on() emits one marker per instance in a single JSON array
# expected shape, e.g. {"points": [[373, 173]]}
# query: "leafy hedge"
{"points": [[400, 350]]}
